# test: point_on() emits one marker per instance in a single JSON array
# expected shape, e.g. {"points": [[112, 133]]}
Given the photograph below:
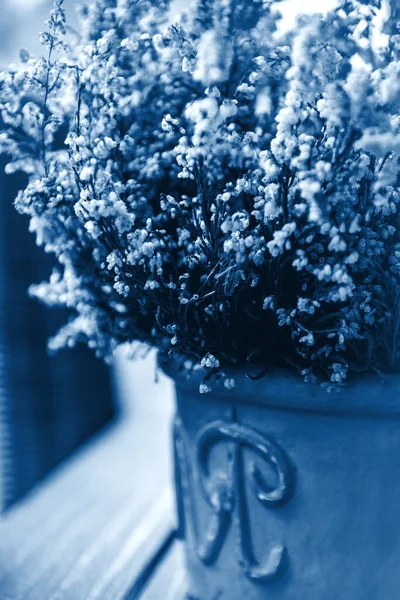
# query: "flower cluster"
{"points": [[214, 187]]}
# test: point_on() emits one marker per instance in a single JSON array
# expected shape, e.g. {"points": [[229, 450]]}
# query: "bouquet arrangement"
{"points": [[214, 187]]}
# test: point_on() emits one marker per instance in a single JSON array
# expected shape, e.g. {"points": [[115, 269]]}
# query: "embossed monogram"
{"points": [[224, 492]]}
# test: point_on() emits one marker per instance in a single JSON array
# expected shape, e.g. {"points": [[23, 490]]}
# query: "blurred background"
{"points": [[49, 406]]}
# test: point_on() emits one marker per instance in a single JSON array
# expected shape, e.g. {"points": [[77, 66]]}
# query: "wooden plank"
{"points": [[87, 531], [169, 580]]}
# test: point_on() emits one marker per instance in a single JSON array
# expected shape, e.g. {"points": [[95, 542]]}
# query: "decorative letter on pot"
{"points": [[225, 493]]}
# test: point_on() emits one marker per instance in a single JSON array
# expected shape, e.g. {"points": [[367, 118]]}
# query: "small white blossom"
{"points": [[204, 388], [209, 361]]}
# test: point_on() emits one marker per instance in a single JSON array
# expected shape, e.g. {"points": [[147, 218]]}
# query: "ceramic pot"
{"points": [[286, 491]]}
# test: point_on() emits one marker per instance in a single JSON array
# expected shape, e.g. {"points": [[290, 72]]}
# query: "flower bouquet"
{"points": [[228, 192]]}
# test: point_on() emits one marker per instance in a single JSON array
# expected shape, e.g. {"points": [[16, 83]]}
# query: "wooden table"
{"points": [[102, 526]]}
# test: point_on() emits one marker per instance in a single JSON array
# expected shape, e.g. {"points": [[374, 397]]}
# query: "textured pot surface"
{"points": [[280, 499]]}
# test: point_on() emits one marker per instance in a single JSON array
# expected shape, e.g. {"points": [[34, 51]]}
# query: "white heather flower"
{"points": [[352, 258], [204, 388], [309, 189], [86, 173], [269, 303], [209, 361], [229, 383], [151, 284], [113, 260], [148, 249], [280, 242], [228, 109], [263, 102], [307, 305], [307, 339], [337, 244], [214, 58]]}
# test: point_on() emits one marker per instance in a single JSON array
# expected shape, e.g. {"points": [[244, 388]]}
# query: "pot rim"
{"points": [[366, 395]]}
